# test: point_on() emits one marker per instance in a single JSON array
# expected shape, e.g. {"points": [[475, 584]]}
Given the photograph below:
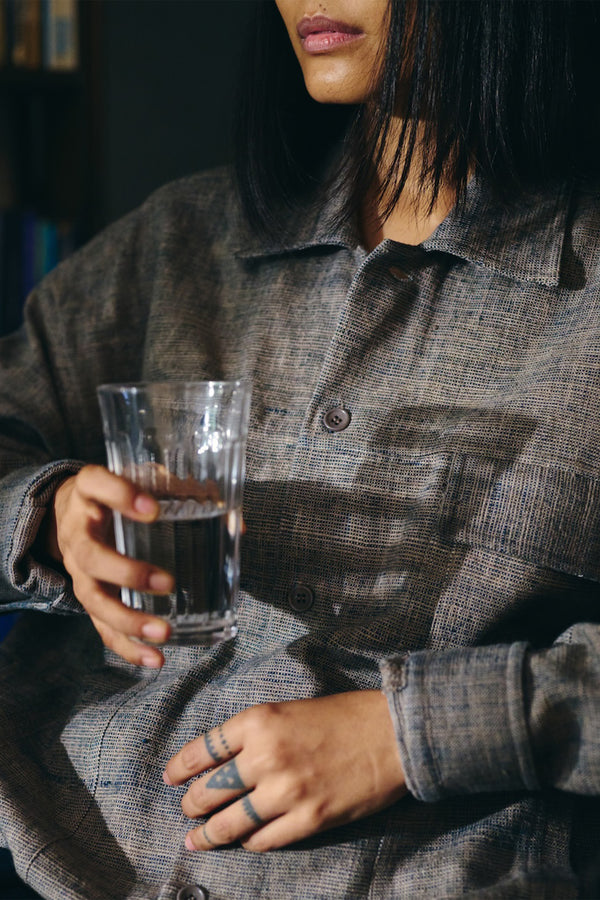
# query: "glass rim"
{"points": [[139, 386]]}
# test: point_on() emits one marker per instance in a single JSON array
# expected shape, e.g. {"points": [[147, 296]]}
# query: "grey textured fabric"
{"points": [[449, 534]]}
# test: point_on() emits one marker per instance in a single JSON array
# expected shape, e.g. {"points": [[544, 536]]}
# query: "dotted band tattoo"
{"points": [[224, 742], [227, 777], [212, 749], [250, 811]]}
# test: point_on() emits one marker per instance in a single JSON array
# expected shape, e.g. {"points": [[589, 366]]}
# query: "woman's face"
{"points": [[339, 45]]}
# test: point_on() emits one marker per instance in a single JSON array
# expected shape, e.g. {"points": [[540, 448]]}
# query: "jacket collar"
{"points": [[523, 241], [309, 224]]}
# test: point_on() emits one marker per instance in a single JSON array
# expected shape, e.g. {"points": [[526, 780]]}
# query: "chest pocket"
{"points": [[546, 515]]}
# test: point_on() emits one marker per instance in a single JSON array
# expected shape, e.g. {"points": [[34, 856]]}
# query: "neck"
{"points": [[413, 218], [405, 224]]}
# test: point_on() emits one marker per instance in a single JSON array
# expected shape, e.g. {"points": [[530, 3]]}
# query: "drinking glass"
{"points": [[183, 443]]}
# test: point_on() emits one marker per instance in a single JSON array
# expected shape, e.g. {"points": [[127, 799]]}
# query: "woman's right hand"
{"points": [[79, 534]]}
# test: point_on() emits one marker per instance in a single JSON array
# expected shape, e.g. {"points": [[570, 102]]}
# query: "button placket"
{"points": [[327, 415]]}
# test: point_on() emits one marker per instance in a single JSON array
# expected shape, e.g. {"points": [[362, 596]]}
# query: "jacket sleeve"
{"points": [[34, 442], [98, 317], [499, 717], [37, 404], [77, 333]]}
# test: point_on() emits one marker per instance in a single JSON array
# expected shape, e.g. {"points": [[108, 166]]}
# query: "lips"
{"points": [[320, 34]]}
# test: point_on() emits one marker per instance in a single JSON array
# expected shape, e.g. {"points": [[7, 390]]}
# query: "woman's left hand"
{"points": [[289, 770]]}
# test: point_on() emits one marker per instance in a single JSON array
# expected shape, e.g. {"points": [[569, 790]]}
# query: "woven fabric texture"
{"points": [[450, 536]]}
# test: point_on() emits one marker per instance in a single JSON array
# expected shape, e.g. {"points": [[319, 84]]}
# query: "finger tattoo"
{"points": [[213, 751], [251, 812], [227, 777], [207, 839], [224, 743]]}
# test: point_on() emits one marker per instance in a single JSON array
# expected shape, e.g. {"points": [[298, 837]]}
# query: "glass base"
{"points": [[197, 631]]}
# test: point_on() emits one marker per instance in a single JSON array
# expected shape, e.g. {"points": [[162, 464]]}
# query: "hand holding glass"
{"points": [[183, 443]]}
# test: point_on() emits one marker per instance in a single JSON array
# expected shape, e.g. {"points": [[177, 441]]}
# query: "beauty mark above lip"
{"points": [[320, 34]]}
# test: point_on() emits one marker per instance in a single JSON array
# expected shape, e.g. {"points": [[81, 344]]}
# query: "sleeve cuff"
{"points": [[27, 582], [459, 718]]}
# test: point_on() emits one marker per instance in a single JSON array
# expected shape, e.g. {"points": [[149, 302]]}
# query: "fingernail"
{"points": [[144, 504], [166, 779], [151, 662], [160, 581], [189, 843], [154, 631]]}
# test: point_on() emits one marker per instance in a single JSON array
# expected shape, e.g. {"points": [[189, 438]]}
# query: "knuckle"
{"points": [[292, 789], [222, 831], [136, 575], [81, 551], [68, 560], [98, 483], [106, 634], [87, 476], [270, 759], [97, 598], [274, 755], [270, 711], [190, 756], [103, 630], [260, 718], [123, 571], [256, 843], [307, 821], [195, 795], [188, 807], [125, 649], [82, 476], [280, 751], [80, 591], [124, 492], [93, 601], [315, 814]]}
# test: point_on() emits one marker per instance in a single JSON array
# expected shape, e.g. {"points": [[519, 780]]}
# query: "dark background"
{"points": [[166, 90], [153, 99]]}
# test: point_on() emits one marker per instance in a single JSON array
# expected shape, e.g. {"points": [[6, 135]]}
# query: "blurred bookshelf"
{"points": [[146, 94], [48, 160]]}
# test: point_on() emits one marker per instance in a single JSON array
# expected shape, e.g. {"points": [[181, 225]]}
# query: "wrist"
{"points": [[47, 541]]}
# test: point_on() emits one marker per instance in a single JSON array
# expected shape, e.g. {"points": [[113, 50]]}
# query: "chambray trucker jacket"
{"points": [[443, 544]]}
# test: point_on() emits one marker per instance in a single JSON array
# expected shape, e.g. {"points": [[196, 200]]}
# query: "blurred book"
{"points": [[30, 247], [26, 39], [39, 33], [60, 35]]}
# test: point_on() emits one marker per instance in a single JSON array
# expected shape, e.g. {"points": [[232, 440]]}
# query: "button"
{"points": [[336, 419], [301, 597], [398, 274], [192, 892]]}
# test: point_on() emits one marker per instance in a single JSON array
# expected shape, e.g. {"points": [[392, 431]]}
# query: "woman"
{"points": [[410, 709]]}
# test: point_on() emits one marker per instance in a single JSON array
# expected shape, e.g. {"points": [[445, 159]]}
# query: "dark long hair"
{"points": [[506, 88]]}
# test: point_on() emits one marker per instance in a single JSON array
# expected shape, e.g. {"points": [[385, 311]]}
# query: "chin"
{"points": [[334, 91]]}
